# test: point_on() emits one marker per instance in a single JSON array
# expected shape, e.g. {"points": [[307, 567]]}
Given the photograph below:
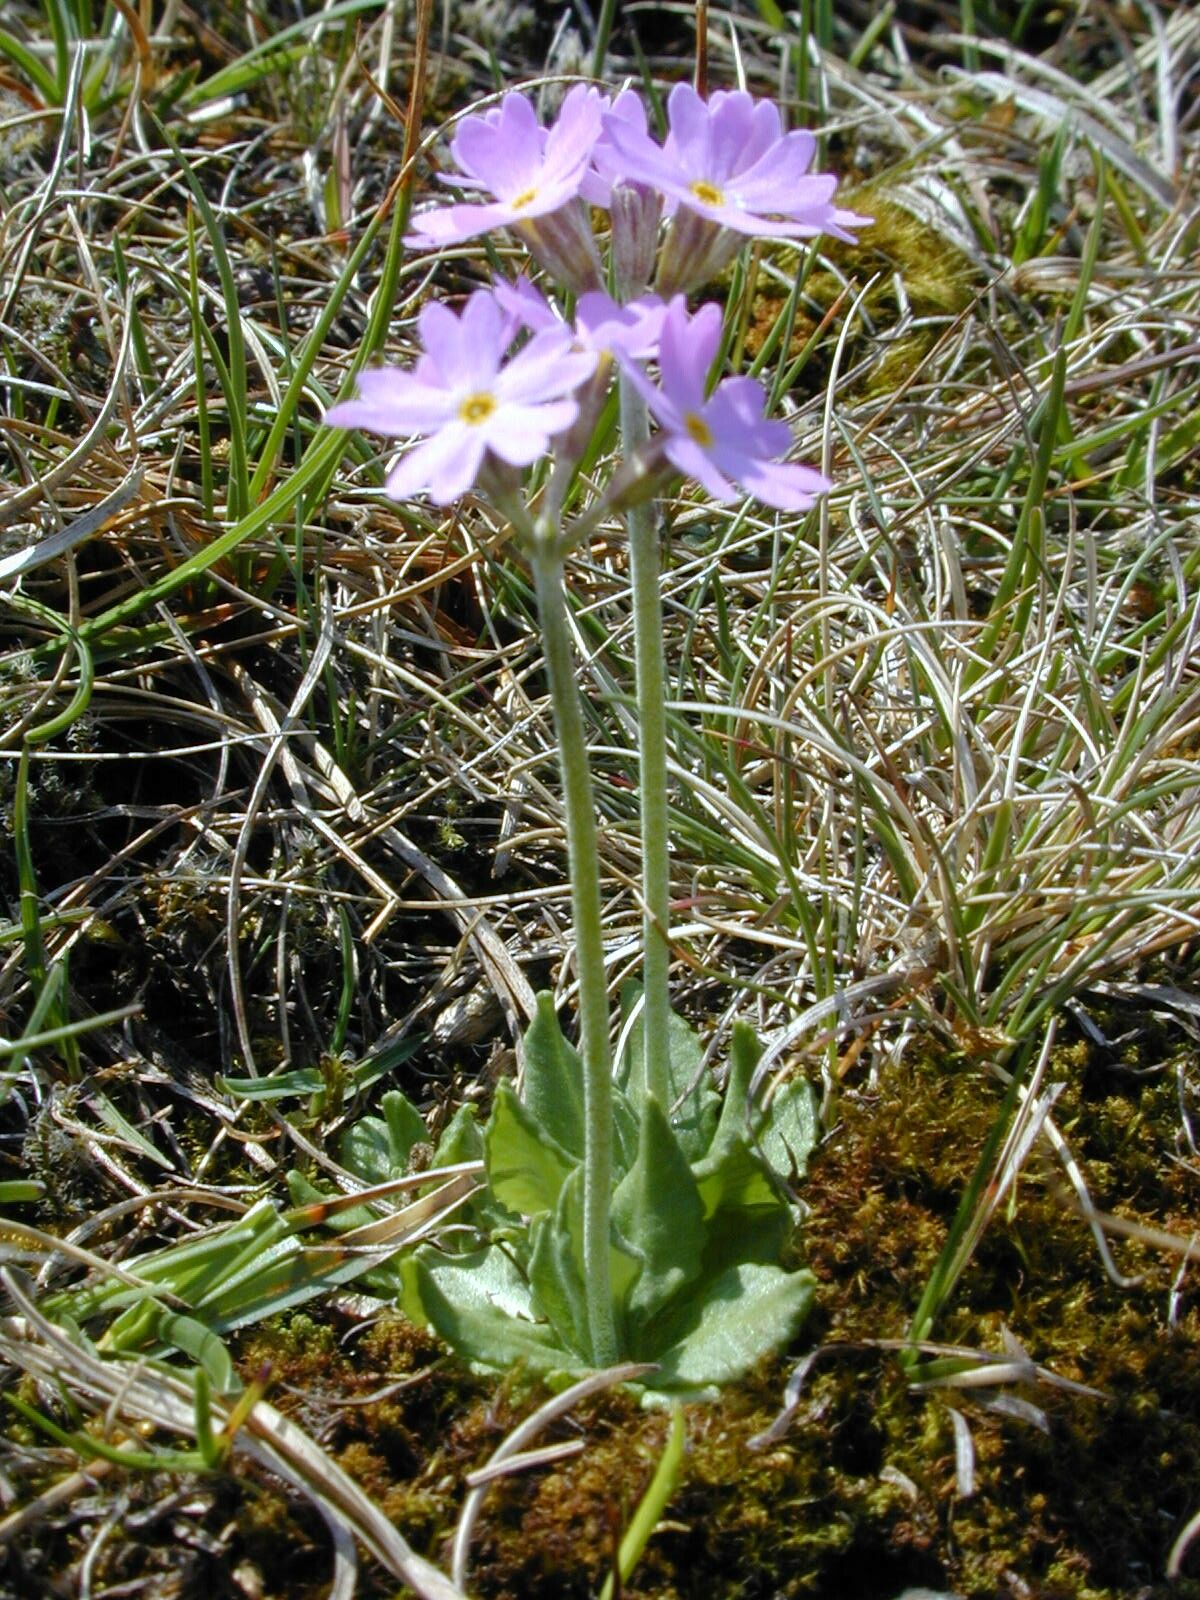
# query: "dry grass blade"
{"points": [[147, 1396]]}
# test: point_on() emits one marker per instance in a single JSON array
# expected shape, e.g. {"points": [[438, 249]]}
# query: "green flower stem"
{"points": [[582, 852], [652, 757]]}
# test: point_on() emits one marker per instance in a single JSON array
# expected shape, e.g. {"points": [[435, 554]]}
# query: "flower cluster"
{"points": [[509, 376]]}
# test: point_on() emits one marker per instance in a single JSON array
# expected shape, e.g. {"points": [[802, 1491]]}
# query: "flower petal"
{"points": [[690, 459], [549, 366], [393, 403], [444, 467], [686, 349], [520, 434], [786, 485], [505, 154], [572, 136], [444, 226]]}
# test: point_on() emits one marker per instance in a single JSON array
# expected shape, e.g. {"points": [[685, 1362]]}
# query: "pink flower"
{"points": [[601, 324], [608, 168], [634, 209], [727, 164], [534, 175], [466, 401], [726, 435]]}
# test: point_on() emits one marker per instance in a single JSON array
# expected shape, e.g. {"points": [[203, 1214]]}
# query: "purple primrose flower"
{"points": [[630, 331], [534, 175], [727, 170], [725, 435], [465, 400]]}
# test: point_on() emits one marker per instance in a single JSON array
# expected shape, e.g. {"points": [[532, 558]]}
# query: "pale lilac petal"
{"points": [[804, 196], [505, 154], [444, 467], [466, 350], [786, 160], [572, 137], [549, 365], [739, 428], [737, 147], [629, 109], [391, 402], [633, 329], [451, 225], [441, 334], [766, 130], [692, 460], [730, 129], [783, 484], [607, 167], [664, 410], [482, 341], [520, 434], [459, 180], [641, 159], [531, 172], [726, 439], [689, 137], [687, 346], [841, 221], [526, 303]]}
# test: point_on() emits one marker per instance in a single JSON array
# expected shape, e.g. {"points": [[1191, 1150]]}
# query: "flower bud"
{"points": [[634, 209], [694, 251], [563, 243]]}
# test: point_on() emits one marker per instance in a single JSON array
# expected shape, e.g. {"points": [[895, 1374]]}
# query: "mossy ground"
{"points": [[1077, 1498]]}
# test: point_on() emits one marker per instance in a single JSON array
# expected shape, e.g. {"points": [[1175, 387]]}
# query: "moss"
{"points": [[937, 282], [859, 1496]]}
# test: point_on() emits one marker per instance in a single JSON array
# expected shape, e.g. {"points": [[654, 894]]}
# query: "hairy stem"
{"points": [[652, 759], [582, 851]]}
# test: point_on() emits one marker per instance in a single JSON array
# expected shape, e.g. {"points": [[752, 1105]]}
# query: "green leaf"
{"points": [[306, 1081], [124, 1129], [19, 1191], [746, 1314], [658, 1209], [789, 1130], [274, 52], [734, 1121], [481, 1307], [732, 1174], [556, 1268], [694, 1101], [741, 1234], [552, 1091], [738, 1181], [284, 1085], [526, 1166], [652, 1504], [194, 1339], [461, 1140], [376, 1149]]}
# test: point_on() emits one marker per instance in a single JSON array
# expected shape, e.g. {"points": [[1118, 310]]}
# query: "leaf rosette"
{"points": [[701, 1219]]}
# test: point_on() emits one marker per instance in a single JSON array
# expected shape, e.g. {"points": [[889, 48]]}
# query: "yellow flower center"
{"points": [[477, 408], [698, 430], [708, 193], [523, 199]]}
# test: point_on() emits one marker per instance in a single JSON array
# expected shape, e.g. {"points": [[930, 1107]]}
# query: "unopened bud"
{"points": [[634, 210], [694, 251], [563, 243]]}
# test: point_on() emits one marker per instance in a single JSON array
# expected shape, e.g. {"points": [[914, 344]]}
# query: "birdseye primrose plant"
{"points": [[630, 1211]]}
